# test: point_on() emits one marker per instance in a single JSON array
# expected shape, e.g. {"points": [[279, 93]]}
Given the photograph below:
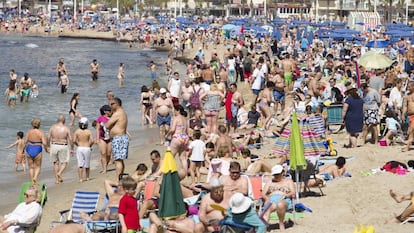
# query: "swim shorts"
{"points": [[279, 96], [59, 153], [163, 120], [371, 116], [26, 92], [83, 154], [288, 76], [120, 144], [411, 121]]}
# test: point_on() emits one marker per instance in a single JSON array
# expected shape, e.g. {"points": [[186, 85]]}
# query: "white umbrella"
{"points": [[374, 60]]}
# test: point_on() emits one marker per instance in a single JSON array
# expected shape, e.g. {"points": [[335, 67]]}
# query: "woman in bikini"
{"points": [[103, 138], [178, 130], [35, 139], [279, 192], [265, 99], [11, 93], [73, 105], [146, 106]]}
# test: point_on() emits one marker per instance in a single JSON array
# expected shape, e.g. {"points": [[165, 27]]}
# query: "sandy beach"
{"points": [[362, 199]]}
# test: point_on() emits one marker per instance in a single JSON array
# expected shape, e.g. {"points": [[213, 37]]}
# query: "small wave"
{"points": [[31, 45]]}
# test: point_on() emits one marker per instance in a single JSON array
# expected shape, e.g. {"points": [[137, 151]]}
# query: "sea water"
{"points": [[38, 56]]}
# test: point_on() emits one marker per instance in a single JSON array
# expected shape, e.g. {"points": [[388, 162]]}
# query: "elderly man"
{"points": [[206, 212], [25, 216], [60, 138], [162, 107], [117, 126]]}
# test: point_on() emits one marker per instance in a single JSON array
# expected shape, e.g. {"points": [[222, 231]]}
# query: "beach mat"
{"points": [[274, 217]]}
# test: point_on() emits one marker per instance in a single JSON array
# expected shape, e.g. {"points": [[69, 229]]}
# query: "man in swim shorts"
{"points": [[117, 126], [26, 85], [162, 107], [94, 68], [59, 138], [288, 66]]}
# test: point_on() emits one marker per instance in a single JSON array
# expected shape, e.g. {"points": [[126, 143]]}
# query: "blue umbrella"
{"points": [[377, 44], [228, 26], [346, 31]]}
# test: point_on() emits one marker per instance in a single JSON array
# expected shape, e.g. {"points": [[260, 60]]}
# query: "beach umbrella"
{"points": [[171, 204], [297, 159], [374, 60], [313, 146]]}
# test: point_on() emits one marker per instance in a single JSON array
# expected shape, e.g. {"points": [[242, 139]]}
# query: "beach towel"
{"points": [[227, 105]]}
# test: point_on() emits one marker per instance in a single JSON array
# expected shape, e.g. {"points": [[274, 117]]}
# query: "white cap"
{"points": [[163, 90], [277, 169], [83, 120], [347, 57]]}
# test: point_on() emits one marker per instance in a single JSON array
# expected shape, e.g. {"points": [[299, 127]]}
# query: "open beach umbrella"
{"points": [[171, 204], [297, 152], [374, 60]]}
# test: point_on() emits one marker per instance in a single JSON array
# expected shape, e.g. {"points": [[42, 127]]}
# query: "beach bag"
{"points": [[195, 99]]}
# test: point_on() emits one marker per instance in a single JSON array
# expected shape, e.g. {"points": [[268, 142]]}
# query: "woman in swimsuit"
{"points": [[278, 191], [35, 139], [103, 138], [146, 106], [73, 112], [211, 107], [11, 93], [178, 130]]}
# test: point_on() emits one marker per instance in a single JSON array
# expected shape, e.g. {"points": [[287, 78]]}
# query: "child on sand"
{"points": [[20, 156], [197, 149], [128, 208]]}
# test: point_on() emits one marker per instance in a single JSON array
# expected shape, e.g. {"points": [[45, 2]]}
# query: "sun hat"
{"points": [[239, 203], [277, 169], [215, 182], [163, 90], [83, 120]]}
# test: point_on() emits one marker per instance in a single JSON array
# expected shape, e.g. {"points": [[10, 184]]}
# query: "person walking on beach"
{"points": [[83, 139], [117, 126], [73, 112], [63, 82], [162, 107], [121, 75], [60, 138], [102, 137], [94, 68], [19, 144], [35, 139], [174, 86]]}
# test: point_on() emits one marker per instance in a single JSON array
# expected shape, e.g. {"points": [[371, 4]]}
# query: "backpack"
{"points": [[195, 99]]}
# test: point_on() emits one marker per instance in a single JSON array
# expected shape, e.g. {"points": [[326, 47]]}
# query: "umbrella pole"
{"points": [[296, 199]]}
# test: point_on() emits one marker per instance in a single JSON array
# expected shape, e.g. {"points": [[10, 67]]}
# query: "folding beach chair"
{"points": [[83, 201], [42, 191], [311, 171]]}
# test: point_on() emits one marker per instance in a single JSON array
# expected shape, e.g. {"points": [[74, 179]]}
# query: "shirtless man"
{"points": [[279, 94], [110, 96], [314, 88], [408, 108], [153, 69], [117, 126], [162, 107], [13, 75], [26, 85], [186, 92], [207, 74], [288, 67], [224, 143], [59, 138], [235, 183], [236, 102], [61, 68], [94, 68], [207, 213], [168, 65]]}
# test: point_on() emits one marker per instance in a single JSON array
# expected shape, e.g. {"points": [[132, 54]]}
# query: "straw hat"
{"points": [[239, 203]]}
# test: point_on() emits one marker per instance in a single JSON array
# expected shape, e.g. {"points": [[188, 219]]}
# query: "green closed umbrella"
{"points": [[171, 204], [297, 151]]}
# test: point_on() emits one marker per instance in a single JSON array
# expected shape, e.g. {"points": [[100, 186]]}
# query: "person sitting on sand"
{"points": [[329, 172], [408, 211], [110, 212]]}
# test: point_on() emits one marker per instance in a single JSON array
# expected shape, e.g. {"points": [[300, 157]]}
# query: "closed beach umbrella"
{"points": [[297, 151], [374, 60], [171, 204]]}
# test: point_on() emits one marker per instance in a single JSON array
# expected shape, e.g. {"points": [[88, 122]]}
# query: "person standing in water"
{"points": [[94, 68], [121, 75], [73, 112]]}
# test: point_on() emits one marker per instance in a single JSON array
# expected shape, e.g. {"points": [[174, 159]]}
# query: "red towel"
{"points": [[227, 104]]}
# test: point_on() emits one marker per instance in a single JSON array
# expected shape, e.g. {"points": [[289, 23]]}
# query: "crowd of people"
{"points": [[255, 85]]}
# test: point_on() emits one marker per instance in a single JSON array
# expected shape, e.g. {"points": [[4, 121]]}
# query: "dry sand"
{"points": [[347, 203]]}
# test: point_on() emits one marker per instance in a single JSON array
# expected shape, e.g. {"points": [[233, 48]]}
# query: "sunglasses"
{"points": [[238, 172]]}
